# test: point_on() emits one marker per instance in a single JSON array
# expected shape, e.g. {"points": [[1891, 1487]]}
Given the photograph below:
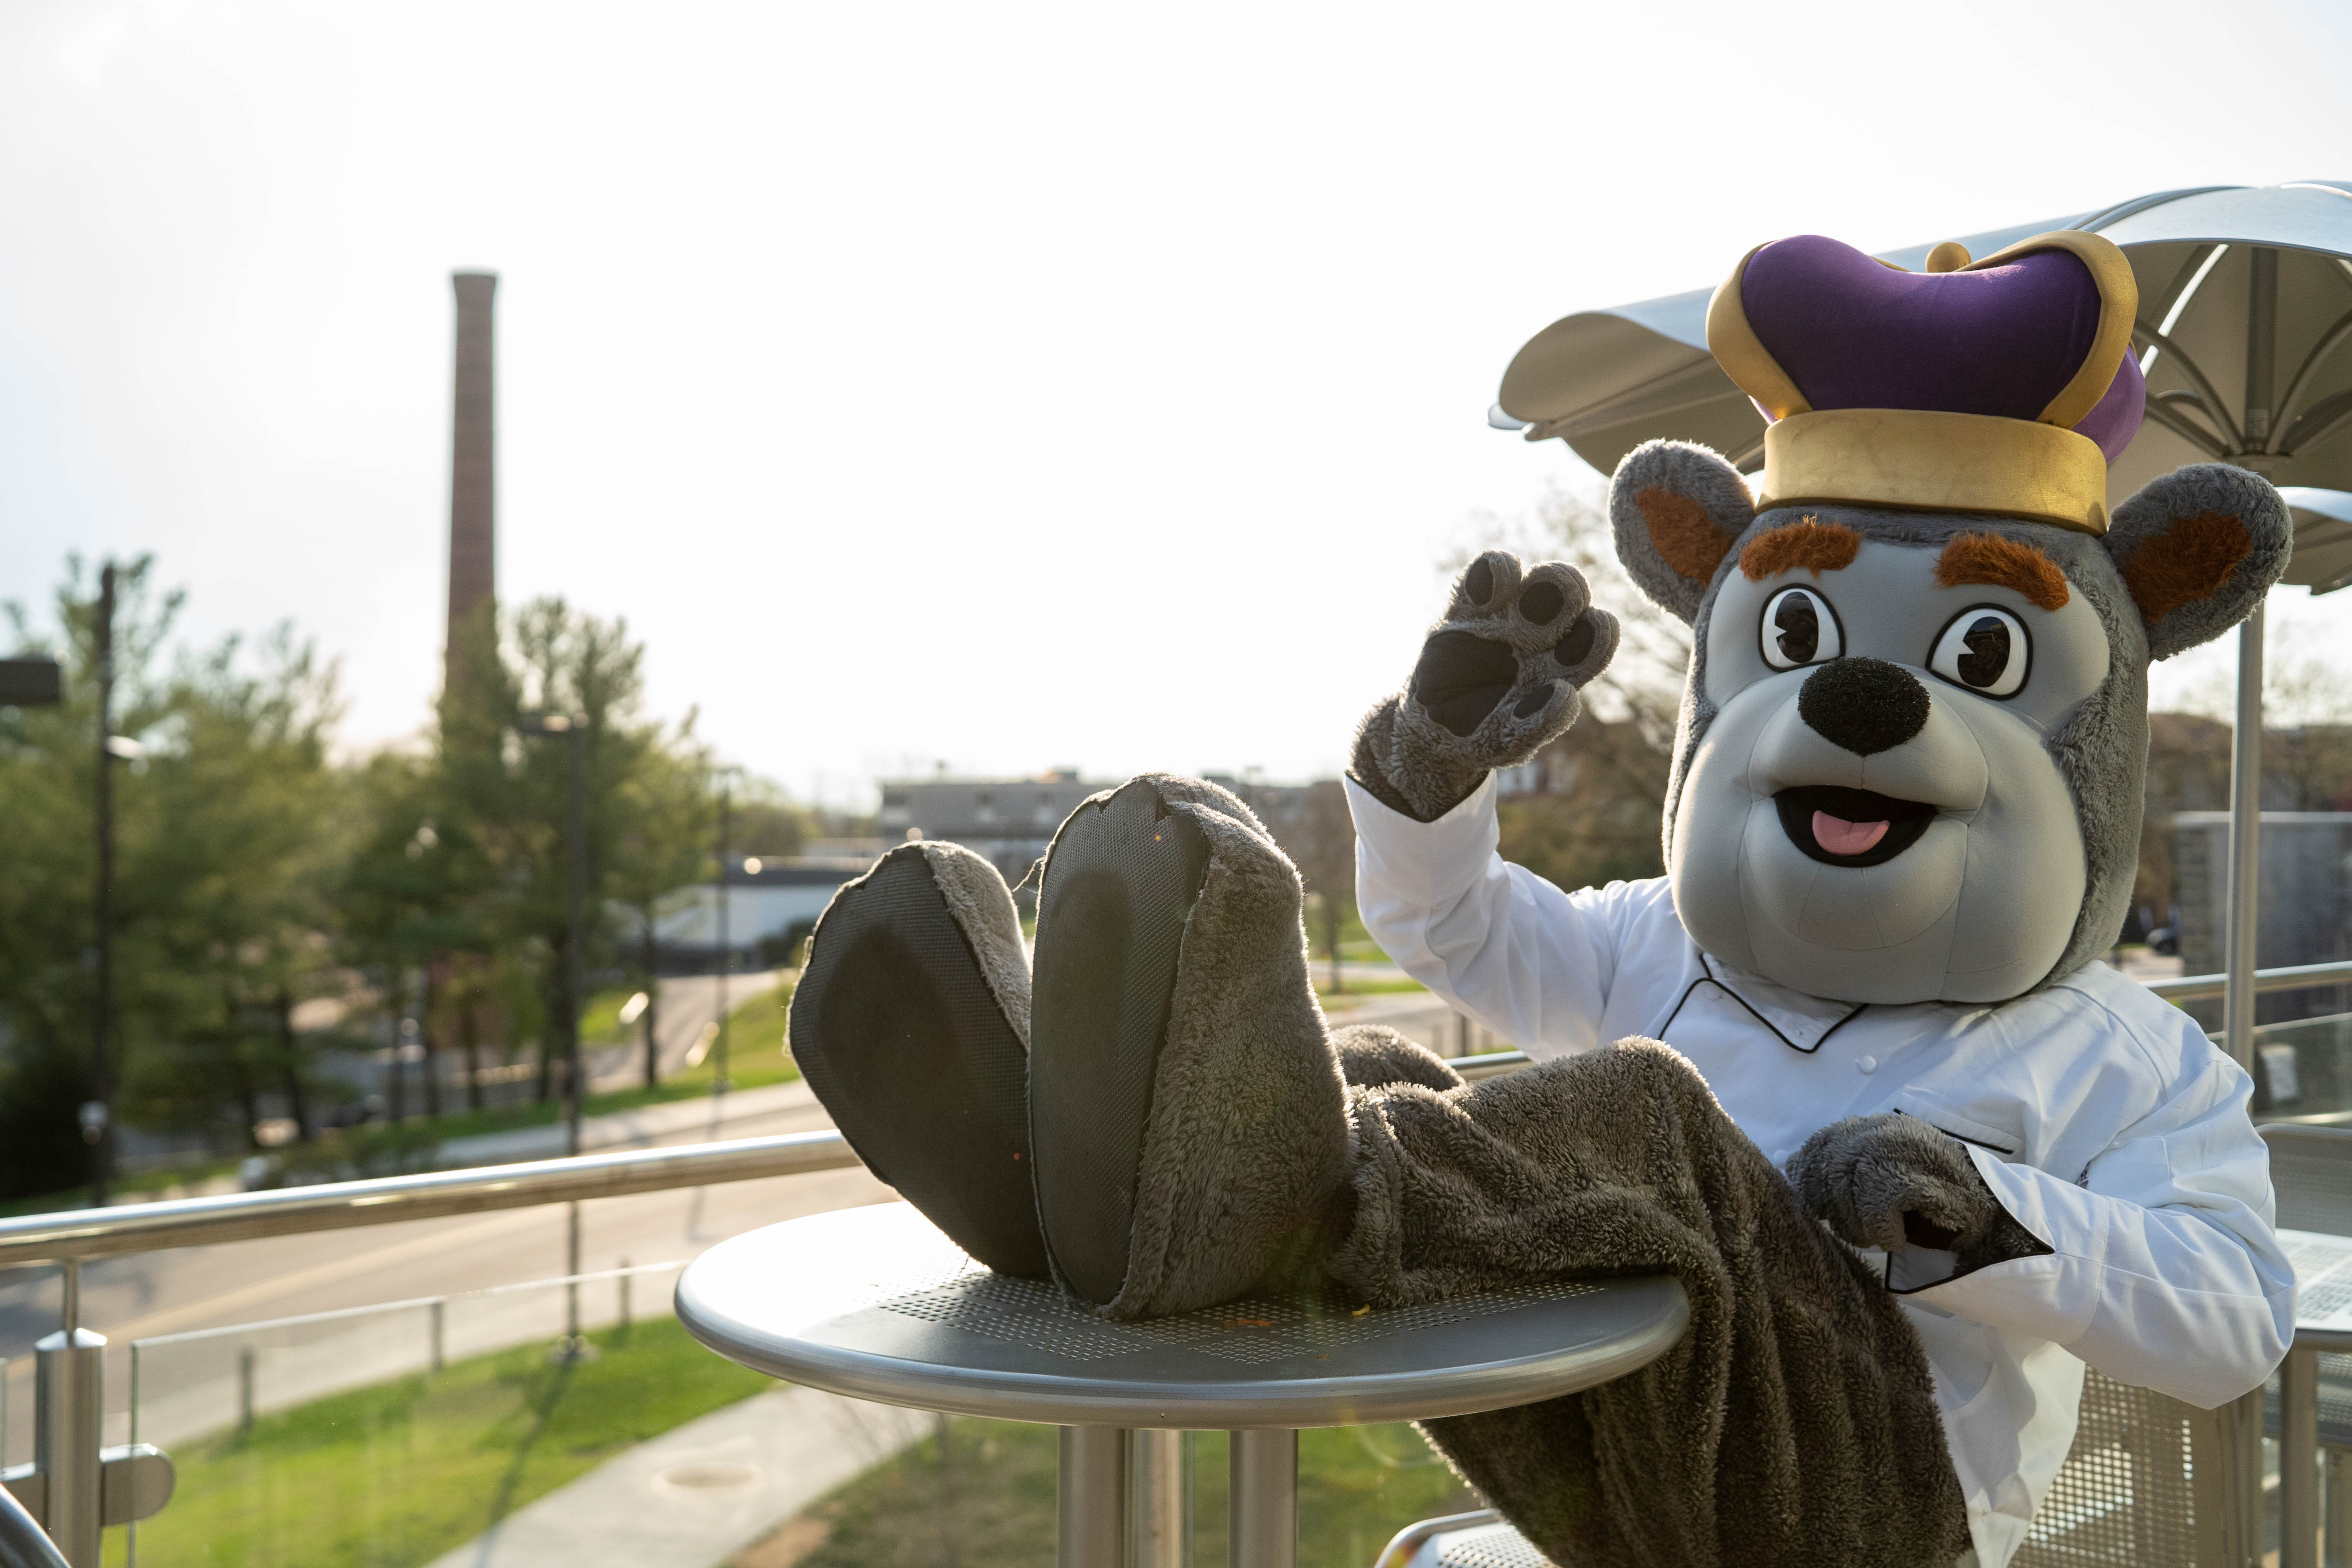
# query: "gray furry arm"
{"points": [[1883, 1181], [1496, 679]]}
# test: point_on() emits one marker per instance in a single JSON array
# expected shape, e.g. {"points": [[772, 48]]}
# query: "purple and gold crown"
{"points": [[2000, 385]]}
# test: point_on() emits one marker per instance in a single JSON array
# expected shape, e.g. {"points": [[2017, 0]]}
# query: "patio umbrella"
{"points": [[2245, 312]]}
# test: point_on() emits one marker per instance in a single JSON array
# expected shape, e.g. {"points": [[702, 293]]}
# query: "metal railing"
{"points": [[2295, 977], [75, 1488]]}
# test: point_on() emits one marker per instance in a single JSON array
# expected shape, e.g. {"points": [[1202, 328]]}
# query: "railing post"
{"points": [[2339, 1508], [1092, 1530], [67, 1406], [2299, 1458], [1160, 1499], [245, 1391], [1262, 1496], [2226, 1482]]}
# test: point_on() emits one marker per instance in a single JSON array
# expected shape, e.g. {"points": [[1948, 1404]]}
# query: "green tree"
{"points": [[226, 852]]}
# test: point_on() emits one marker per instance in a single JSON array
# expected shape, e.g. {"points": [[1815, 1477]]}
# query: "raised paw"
{"points": [[1501, 672]]}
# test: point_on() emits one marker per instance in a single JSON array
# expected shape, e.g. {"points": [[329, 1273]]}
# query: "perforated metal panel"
{"points": [[2334, 1402], [1033, 1314], [2311, 1171], [2122, 1499], [1489, 1546]]}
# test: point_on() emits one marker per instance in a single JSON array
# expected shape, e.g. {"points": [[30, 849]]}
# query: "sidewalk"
{"points": [[708, 1114], [690, 1496]]}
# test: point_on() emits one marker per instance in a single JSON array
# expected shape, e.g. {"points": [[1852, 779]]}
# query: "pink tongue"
{"points": [[1838, 836]]}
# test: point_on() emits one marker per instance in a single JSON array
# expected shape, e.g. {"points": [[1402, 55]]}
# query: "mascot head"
{"points": [[1910, 759]]}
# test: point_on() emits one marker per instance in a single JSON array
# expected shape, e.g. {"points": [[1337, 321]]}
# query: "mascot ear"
{"points": [[2199, 548], [1676, 507]]}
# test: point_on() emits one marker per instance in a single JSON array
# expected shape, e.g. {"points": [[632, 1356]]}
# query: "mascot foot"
{"points": [[1373, 1057], [1186, 1105], [911, 1024]]}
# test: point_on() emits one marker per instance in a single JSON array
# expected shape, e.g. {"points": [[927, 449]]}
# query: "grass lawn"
{"points": [[395, 1475], [984, 1499], [755, 1054]]}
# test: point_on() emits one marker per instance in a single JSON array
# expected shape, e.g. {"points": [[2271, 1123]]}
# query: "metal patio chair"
{"points": [[2311, 1172], [2127, 1497]]}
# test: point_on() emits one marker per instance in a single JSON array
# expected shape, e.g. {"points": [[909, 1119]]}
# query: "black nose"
{"points": [[1864, 705]]}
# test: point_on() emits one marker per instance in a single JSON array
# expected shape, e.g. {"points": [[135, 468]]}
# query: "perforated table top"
{"points": [[875, 1303], [2323, 1273]]}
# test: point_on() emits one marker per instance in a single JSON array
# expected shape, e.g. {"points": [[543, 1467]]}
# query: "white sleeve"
{"points": [[1527, 960], [2164, 1272]]}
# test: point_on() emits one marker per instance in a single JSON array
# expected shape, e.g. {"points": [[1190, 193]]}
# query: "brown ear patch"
{"points": [[1990, 559], [1685, 537], [1809, 546], [2190, 561]]}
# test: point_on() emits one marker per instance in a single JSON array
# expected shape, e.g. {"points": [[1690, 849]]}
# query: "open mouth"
{"points": [[1841, 827]]}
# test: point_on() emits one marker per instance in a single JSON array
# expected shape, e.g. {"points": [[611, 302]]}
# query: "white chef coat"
{"points": [[2101, 1118]]}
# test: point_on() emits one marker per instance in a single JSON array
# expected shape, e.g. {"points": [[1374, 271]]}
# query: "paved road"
{"points": [[198, 1288], [687, 1005], [192, 1388]]}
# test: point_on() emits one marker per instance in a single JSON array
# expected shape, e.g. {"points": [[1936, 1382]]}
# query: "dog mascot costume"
{"points": [[1851, 1071]]}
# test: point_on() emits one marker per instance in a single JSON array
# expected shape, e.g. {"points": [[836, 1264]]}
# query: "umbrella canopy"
{"points": [[2245, 313], [2323, 538]]}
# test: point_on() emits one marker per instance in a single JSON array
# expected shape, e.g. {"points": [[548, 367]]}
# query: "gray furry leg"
{"points": [[1798, 1395], [1372, 1056]]}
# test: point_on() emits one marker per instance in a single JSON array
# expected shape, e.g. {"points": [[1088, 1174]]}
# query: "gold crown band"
{"points": [[1937, 462]]}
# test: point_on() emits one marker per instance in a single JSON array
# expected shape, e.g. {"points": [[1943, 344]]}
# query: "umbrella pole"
{"points": [[2245, 845]]}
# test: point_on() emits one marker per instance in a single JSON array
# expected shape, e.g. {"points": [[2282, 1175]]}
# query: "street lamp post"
{"points": [[99, 1127], [719, 1082], [576, 730], [38, 683]]}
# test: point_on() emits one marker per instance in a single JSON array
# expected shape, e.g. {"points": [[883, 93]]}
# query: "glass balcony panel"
{"points": [[393, 1436], [2302, 1070]]}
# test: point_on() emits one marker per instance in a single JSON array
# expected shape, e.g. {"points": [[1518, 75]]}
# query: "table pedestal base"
{"points": [[1120, 1484]]}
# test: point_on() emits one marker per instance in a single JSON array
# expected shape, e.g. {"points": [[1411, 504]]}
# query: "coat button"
{"points": [[1867, 1063]]}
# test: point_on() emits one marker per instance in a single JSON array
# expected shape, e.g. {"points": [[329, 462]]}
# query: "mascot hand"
{"points": [[1497, 679], [1883, 1181]]}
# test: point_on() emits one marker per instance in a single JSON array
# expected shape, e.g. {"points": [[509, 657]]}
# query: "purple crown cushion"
{"points": [[2115, 419], [1853, 332]]}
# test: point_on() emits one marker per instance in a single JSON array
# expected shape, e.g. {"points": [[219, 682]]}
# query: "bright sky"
{"points": [[1013, 386]]}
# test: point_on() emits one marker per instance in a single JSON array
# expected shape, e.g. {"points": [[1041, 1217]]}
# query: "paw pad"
{"points": [[1492, 674]]}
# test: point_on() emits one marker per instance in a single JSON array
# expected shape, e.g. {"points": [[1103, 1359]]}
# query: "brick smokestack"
{"points": [[473, 487]]}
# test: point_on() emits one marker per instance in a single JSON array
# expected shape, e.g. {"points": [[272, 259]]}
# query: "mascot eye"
{"points": [[1986, 650], [1799, 628]]}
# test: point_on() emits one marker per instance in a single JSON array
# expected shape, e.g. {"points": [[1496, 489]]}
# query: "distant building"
{"points": [[771, 905], [1010, 822]]}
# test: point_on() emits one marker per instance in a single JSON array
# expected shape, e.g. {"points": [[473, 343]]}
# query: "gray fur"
{"points": [[1860, 1177], [1794, 1422], [1687, 469], [1372, 1057], [982, 909], [1246, 1153], [1416, 765], [2187, 493]]}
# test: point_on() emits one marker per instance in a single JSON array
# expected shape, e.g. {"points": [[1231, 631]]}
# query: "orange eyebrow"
{"points": [[1999, 562], [1809, 546]]}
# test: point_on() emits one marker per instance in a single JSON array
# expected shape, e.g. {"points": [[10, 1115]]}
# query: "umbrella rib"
{"points": [[2195, 435], [2215, 408], [2327, 427], [2327, 344]]}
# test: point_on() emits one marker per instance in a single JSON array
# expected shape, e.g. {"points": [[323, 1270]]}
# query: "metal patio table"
{"points": [[875, 1303], [2323, 1314]]}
